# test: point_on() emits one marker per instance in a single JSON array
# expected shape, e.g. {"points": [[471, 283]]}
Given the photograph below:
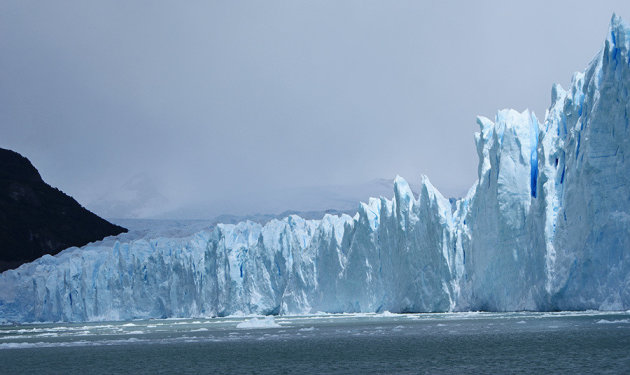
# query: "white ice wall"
{"points": [[546, 226]]}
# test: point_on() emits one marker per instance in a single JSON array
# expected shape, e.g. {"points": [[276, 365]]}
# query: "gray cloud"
{"points": [[227, 103]]}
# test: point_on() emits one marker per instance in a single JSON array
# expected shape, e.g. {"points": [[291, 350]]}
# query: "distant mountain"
{"points": [[140, 198], [136, 198], [154, 228], [37, 219]]}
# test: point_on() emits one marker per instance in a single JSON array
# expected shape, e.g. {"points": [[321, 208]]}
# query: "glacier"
{"points": [[545, 227]]}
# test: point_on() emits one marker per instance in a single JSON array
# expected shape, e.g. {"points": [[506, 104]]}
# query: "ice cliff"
{"points": [[545, 227]]}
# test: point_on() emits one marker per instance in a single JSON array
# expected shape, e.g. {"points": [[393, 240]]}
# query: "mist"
{"points": [[246, 107]]}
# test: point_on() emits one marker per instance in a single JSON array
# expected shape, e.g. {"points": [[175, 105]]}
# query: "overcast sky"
{"points": [[231, 101]]}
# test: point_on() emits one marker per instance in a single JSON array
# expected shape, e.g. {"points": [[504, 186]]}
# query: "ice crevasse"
{"points": [[545, 227]]}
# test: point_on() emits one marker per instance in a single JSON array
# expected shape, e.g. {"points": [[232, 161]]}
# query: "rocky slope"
{"points": [[37, 219]]}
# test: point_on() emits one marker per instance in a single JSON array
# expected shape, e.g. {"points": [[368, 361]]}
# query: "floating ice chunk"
{"points": [[255, 323], [387, 314], [620, 321]]}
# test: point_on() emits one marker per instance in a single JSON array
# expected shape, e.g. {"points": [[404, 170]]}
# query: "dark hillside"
{"points": [[37, 219]]}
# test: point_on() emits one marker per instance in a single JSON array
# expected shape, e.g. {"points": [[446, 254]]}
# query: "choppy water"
{"points": [[566, 342]]}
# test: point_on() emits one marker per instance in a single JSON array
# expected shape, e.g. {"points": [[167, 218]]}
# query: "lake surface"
{"points": [[564, 342]]}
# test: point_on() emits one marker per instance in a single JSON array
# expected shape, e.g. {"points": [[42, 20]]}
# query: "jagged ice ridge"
{"points": [[545, 227]]}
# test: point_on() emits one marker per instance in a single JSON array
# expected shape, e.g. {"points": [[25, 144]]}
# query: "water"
{"points": [[587, 342]]}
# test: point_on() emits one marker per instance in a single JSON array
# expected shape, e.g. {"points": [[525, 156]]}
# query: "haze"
{"points": [[245, 107]]}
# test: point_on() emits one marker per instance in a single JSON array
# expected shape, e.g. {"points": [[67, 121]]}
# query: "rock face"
{"points": [[545, 227], [37, 219]]}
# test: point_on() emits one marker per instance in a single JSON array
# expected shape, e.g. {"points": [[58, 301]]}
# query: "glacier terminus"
{"points": [[545, 227]]}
